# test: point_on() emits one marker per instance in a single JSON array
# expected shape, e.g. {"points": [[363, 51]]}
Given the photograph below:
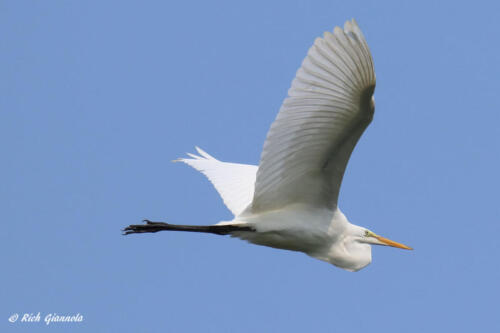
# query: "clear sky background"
{"points": [[97, 97]]}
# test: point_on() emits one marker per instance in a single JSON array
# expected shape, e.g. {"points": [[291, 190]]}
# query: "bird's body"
{"points": [[290, 200], [320, 233]]}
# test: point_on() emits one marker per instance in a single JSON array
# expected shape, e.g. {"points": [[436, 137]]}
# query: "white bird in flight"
{"points": [[289, 201]]}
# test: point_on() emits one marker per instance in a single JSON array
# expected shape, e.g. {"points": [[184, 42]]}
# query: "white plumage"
{"points": [[290, 200], [234, 182]]}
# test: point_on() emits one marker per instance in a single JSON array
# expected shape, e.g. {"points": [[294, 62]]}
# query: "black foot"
{"points": [[150, 226]]}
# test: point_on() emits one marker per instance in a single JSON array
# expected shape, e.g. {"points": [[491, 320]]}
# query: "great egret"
{"points": [[290, 200]]}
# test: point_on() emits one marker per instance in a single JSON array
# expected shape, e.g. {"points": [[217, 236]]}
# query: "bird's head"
{"points": [[353, 251]]}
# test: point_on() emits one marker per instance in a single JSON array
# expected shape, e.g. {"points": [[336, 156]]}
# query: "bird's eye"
{"points": [[367, 233]]}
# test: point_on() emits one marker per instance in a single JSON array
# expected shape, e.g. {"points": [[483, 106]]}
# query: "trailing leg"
{"points": [[151, 226]]}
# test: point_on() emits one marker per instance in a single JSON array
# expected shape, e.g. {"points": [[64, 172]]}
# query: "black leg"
{"points": [[151, 226]]}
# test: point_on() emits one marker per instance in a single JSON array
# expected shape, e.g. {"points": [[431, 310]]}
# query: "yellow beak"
{"points": [[389, 242]]}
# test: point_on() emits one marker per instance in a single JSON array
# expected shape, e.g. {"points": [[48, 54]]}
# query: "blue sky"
{"points": [[97, 97]]}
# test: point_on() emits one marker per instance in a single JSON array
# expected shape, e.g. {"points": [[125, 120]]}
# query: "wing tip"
{"points": [[204, 153]]}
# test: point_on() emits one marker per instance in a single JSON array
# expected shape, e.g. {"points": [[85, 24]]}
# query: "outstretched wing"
{"points": [[328, 107], [234, 182]]}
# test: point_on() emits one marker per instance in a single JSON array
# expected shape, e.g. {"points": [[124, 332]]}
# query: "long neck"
{"points": [[347, 251]]}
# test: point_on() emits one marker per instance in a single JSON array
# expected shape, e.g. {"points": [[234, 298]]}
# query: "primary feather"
{"points": [[328, 107]]}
